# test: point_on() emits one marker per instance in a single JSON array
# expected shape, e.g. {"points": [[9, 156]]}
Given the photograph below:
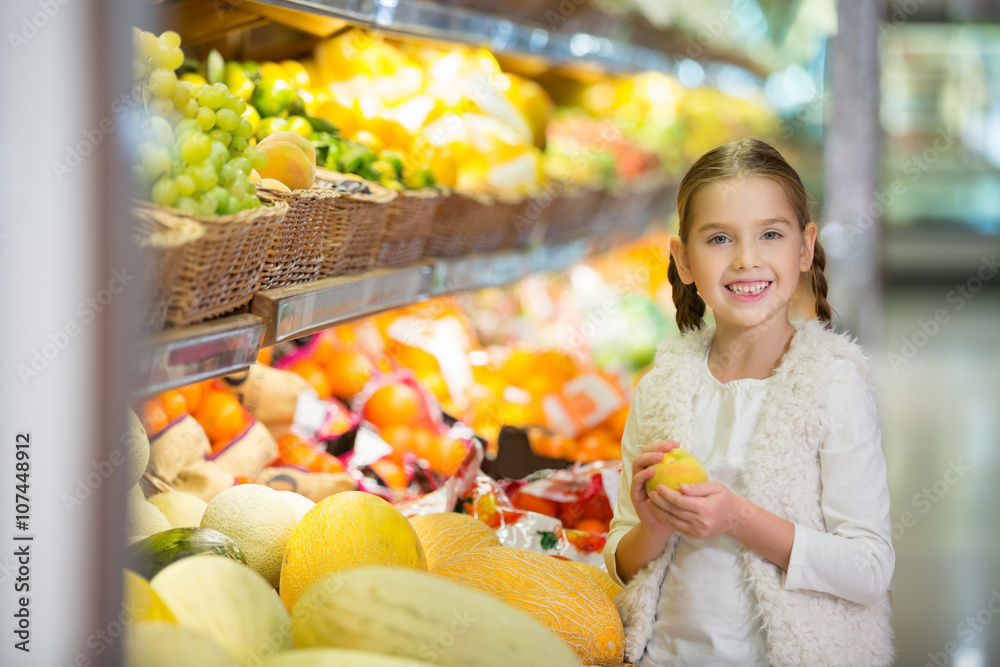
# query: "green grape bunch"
{"points": [[193, 152]]}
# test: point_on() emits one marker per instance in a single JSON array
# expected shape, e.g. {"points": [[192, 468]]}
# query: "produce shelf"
{"points": [[428, 20], [177, 357], [180, 356]]}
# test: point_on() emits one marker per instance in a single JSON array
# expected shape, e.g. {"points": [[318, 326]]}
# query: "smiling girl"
{"points": [[784, 557]]}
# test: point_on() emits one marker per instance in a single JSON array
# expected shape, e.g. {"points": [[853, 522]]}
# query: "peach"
{"points": [[293, 138], [289, 164], [678, 467]]}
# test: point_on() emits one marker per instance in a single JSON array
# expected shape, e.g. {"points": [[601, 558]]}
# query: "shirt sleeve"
{"points": [[625, 517], [854, 558]]}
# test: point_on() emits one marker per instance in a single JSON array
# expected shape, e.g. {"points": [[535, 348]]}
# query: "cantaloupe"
{"points": [[596, 575], [410, 614], [299, 503], [557, 596], [141, 603], [335, 657], [447, 534], [159, 644], [144, 519], [347, 530], [259, 520], [182, 510], [227, 601]]}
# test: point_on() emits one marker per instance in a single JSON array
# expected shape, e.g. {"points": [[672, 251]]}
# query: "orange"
{"points": [[400, 438], [153, 416], [530, 503], [297, 451], [323, 349], [595, 526], [174, 404], [348, 371], [422, 442], [446, 455], [391, 473], [192, 394], [394, 404], [265, 356], [221, 415], [313, 373], [591, 447]]}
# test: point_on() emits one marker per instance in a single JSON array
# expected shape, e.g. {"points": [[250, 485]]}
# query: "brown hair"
{"points": [[742, 159]]}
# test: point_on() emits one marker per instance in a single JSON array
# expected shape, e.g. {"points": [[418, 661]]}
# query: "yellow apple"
{"points": [[678, 467]]}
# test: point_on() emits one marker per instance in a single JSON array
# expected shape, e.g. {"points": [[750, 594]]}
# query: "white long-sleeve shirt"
{"points": [[706, 614]]}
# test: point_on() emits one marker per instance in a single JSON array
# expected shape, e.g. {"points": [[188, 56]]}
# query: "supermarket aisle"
{"points": [[940, 414]]}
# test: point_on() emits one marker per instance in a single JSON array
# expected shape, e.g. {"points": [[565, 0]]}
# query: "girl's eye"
{"points": [[717, 240], [770, 236]]}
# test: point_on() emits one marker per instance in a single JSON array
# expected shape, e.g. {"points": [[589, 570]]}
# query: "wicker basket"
{"points": [[218, 272], [522, 220], [572, 214], [353, 224], [408, 226], [627, 207], [160, 240], [296, 252], [468, 223]]}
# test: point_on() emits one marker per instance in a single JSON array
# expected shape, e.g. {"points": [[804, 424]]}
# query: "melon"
{"points": [[557, 596], [143, 519], [343, 531], [227, 601], [151, 554], [159, 644], [259, 520], [136, 445], [335, 657], [299, 503], [447, 534], [141, 603], [596, 575], [135, 495], [182, 510], [410, 614]]}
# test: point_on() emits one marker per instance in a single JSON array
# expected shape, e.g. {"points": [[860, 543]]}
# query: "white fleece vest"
{"points": [[782, 475]]}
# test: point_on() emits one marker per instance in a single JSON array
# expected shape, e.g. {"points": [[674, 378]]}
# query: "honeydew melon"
{"points": [[182, 510], [159, 644], [333, 657], [227, 601]]}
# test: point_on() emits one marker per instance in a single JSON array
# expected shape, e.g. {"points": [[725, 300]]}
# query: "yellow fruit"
{"points": [[182, 510], [338, 657], [144, 519], [596, 575], [447, 534], [259, 520], [677, 467], [344, 117], [159, 644], [274, 185], [228, 602], [344, 531], [558, 597], [141, 603], [411, 614], [288, 164], [195, 78]]}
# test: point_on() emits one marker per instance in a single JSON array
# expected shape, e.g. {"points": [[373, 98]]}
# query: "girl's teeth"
{"points": [[749, 288]]}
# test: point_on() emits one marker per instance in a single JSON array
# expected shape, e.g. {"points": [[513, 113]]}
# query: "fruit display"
{"points": [[147, 557], [192, 152]]}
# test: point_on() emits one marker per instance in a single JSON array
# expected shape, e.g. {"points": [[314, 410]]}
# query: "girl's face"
{"points": [[744, 252]]}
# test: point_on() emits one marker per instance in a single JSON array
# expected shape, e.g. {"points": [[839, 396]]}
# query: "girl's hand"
{"points": [[651, 515], [702, 510]]}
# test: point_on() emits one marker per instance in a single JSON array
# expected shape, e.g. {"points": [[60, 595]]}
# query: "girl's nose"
{"points": [[745, 256]]}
